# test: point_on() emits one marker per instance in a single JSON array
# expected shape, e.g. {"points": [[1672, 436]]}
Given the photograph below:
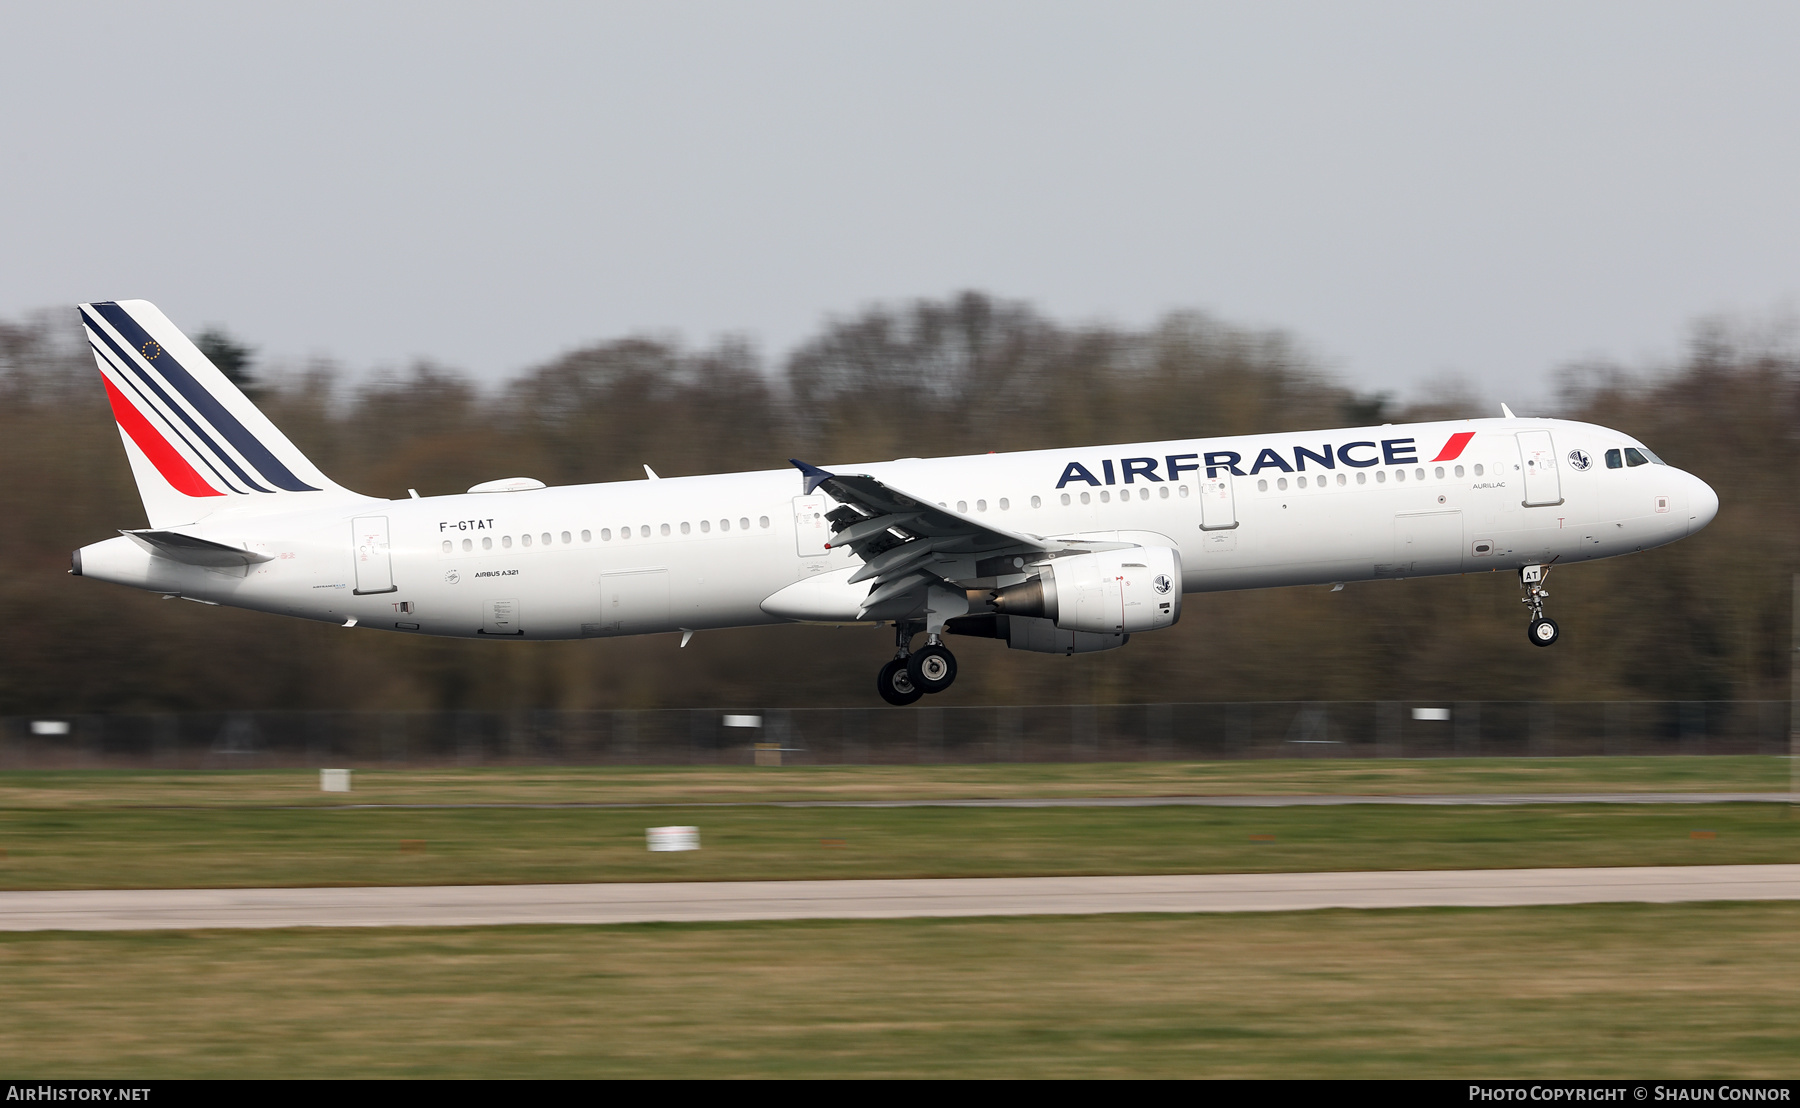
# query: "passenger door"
{"points": [[374, 567], [1537, 460]]}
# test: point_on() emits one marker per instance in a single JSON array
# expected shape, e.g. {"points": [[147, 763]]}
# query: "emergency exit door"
{"points": [[1218, 508], [812, 531]]}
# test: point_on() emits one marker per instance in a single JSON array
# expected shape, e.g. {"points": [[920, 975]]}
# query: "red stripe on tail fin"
{"points": [[1453, 449], [168, 462]]}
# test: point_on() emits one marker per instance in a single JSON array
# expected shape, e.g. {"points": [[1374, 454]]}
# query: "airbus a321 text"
{"points": [[1059, 551]]}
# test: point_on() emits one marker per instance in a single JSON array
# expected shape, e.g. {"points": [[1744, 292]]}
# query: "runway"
{"points": [[494, 905], [1295, 800]]}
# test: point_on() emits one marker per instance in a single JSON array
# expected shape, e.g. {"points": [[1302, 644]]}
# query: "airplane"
{"points": [[1055, 551]]}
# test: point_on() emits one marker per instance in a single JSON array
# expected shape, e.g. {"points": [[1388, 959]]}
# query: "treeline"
{"points": [[1705, 619]]}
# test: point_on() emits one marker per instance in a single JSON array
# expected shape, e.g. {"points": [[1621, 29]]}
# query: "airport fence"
{"points": [[912, 736]]}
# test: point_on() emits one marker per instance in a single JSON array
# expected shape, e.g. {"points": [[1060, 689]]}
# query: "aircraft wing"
{"points": [[907, 542]]}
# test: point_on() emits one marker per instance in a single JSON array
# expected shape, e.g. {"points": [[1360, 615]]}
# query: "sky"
{"points": [[1417, 191]]}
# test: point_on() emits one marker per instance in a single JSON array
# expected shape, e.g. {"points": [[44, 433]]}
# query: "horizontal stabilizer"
{"points": [[192, 551]]}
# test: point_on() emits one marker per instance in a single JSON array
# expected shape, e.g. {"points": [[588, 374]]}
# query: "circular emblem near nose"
{"points": [[1162, 584], [452, 577], [1580, 459]]}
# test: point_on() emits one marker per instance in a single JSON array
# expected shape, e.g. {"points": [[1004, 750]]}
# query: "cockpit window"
{"points": [[1635, 457], [1653, 458], [1614, 460]]}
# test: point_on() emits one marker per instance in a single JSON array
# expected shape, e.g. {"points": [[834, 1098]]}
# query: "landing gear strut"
{"points": [[895, 682], [1541, 631], [911, 675]]}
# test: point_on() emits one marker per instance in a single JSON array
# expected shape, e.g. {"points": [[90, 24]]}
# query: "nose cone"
{"points": [[1703, 504]]}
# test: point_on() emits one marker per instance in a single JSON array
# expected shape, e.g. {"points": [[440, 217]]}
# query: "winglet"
{"points": [[813, 474], [1507, 412]]}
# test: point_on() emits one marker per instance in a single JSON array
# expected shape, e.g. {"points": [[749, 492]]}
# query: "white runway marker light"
{"points": [[334, 780], [49, 727], [1441, 715], [673, 838]]}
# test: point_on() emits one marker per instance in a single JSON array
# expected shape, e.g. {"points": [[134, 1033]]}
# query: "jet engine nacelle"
{"points": [[1111, 592]]}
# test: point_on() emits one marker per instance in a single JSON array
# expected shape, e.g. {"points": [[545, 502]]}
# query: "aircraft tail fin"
{"points": [[197, 444]]}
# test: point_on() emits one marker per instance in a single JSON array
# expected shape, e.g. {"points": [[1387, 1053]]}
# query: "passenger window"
{"points": [[1459, 471], [1065, 499], [1262, 484], [665, 530], [763, 522], [524, 540], [706, 527], [1341, 480], [1420, 473], [686, 527], [644, 531], [1438, 473], [981, 505], [1399, 475], [447, 546], [744, 524], [962, 506], [624, 532], [1478, 469], [1105, 497], [565, 538], [1635, 457], [587, 536], [546, 538], [1144, 493], [487, 544], [1381, 477], [1301, 481], [1005, 504], [1085, 499], [1164, 492], [1362, 477], [1281, 483], [468, 545], [605, 534], [1037, 502], [724, 525], [1184, 490]]}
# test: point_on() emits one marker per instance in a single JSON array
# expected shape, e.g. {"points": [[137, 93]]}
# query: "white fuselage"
{"points": [[636, 557]]}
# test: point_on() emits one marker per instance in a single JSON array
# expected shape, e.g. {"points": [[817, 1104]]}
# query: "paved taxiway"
{"points": [[488, 905]]}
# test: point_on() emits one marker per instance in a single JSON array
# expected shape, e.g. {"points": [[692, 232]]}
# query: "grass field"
{"points": [[746, 784], [150, 848], [1618, 990]]}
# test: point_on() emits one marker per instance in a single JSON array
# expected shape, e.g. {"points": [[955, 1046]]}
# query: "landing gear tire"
{"points": [[932, 669], [896, 684], [1543, 632]]}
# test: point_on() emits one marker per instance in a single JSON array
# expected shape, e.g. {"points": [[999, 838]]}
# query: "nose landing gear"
{"points": [[1542, 631], [910, 675]]}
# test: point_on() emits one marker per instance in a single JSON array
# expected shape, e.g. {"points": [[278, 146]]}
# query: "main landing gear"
{"points": [[1542, 631], [911, 674]]}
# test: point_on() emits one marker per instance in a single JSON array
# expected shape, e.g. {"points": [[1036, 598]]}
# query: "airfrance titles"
{"points": [[1357, 455]]}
